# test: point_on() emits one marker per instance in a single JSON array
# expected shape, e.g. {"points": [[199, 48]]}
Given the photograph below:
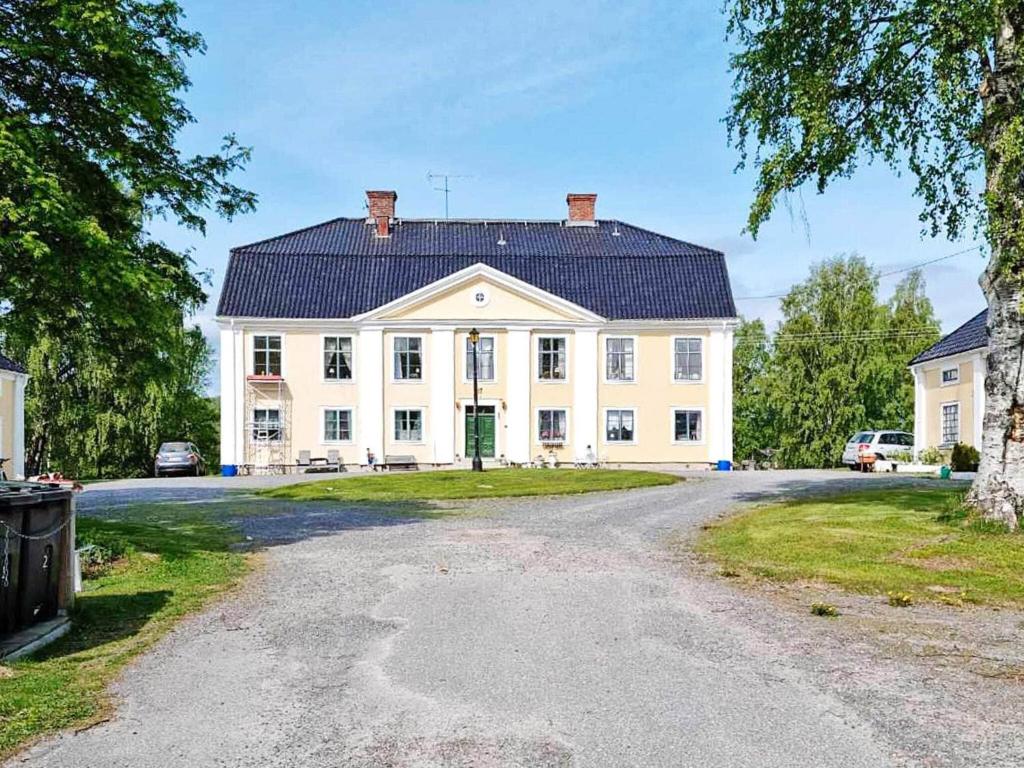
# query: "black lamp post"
{"points": [[478, 463]]}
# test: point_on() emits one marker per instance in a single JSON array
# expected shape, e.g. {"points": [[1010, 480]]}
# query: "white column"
{"points": [[716, 379], [18, 464], [518, 419], [442, 394], [727, 349], [919, 412], [370, 374], [980, 369], [583, 373], [228, 386], [241, 417]]}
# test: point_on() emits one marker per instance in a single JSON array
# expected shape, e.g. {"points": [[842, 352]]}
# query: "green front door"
{"points": [[486, 431]]}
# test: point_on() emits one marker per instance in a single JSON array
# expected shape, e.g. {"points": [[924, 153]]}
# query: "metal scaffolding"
{"points": [[267, 424]]}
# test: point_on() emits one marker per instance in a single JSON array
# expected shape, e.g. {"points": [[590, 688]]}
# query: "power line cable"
{"points": [[884, 274]]}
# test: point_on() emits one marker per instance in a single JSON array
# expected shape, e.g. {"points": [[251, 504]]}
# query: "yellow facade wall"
{"points": [[490, 392], [652, 397], [306, 393], [936, 395], [7, 421], [553, 394]]}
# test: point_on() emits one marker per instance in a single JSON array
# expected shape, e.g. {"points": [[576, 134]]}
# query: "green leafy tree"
{"points": [[932, 86], [90, 111], [754, 426], [840, 358]]}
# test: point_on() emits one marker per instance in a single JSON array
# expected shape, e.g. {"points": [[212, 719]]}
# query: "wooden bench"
{"points": [[404, 463]]}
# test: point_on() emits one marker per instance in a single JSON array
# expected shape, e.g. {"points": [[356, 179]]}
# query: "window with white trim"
{"points": [[266, 355], [337, 425], [552, 425], [408, 426], [266, 425], [619, 425], [551, 356], [337, 358], [950, 423], [951, 375], [687, 359], [618, 359], [484, 359], [688, 427], [408, 358]]}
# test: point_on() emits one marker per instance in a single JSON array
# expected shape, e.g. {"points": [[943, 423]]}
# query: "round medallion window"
{"points": [[481, 297]]}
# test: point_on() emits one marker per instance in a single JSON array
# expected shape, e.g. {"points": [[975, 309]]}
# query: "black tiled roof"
{"points": [[6, 364], [339, 268], [971, 335]]}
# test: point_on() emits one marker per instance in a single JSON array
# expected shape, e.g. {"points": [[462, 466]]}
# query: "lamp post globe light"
{"points": [[478, 463]]}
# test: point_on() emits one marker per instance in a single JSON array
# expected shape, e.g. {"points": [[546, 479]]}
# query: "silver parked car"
{"points": [[179, 458], [882, 444]]}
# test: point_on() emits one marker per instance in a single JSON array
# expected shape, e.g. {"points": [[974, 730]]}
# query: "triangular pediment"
{"points": [[480, 293]]}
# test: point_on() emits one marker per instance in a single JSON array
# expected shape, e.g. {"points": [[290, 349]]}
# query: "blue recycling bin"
{"points": [[724, 465], [229, 470]]}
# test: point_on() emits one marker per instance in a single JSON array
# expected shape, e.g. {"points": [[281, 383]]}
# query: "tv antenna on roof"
{"points": [[431, 177]]}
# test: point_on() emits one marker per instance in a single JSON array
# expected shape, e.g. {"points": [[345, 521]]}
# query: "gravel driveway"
{"points": [[540, 632]]}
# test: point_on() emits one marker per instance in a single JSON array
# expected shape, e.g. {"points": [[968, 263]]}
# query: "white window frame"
{"points": [[423, 359], [323, 341], [672, 360], [351, 424], [270, 406], [536, 425], [467, 375], [959, 423], [604, 423], [251, 362], [942, 375], [636, 359], [536, 358], [423, 425], [703, 423]]}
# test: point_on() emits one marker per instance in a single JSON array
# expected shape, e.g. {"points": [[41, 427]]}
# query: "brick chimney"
{"points": [[382, 209], [581, 209]]}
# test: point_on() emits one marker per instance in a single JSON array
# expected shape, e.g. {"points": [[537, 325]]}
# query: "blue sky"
{"points": [[531, 100]]}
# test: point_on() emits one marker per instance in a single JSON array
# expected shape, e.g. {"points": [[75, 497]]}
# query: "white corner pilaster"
{"points": [[18, 460], [584, 375], [442, 394], [371, 393], [228, 397], [727, 350], [241, 417], [980, 372], [517, 396], [716, 395], [919, 412]]}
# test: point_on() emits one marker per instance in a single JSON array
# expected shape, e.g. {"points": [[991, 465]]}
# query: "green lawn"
{"points": [[463, 484], [168, 572], [913, 540]]}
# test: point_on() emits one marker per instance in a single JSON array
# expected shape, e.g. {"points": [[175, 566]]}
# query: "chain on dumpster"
{"points": [[5, 567]]}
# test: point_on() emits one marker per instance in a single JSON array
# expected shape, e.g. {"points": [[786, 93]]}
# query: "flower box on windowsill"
{"points": [[259, 378]]}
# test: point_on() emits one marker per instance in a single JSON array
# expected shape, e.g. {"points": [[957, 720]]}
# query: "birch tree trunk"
{"points": [[998, 491]]}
